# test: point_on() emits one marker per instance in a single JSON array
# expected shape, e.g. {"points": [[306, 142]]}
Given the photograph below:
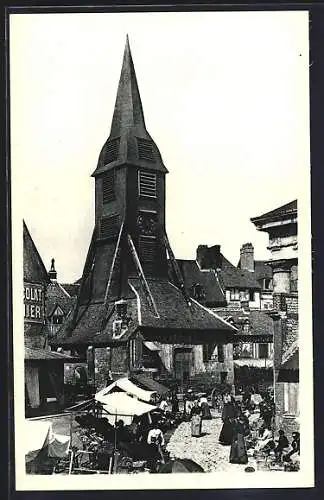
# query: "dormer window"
{"points": [[267, 284], [147, 184], [198, 292]]}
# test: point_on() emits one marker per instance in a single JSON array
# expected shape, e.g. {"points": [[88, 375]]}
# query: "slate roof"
{"points": [[71, 288], [34, 269], [192, 275], [287, 210], [56, 295], [32, 354], [260, 322], [173, 310], [171, 306], [234, 277], [262, 270]]}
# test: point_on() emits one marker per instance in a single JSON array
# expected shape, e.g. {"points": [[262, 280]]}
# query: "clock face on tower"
{"points": [[147, 223]]}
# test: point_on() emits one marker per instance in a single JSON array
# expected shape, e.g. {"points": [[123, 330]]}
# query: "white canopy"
{"points": [[36, 437], [39, 435], [127, 386], [120, 404]]}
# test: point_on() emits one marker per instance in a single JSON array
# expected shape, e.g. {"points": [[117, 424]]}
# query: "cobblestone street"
{"points": [[205, 450]]}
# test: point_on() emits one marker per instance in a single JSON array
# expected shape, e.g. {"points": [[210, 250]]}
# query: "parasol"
{"points": [[180, 465]]}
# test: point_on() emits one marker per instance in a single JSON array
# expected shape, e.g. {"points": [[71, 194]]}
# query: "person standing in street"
{"points": [[238, 453], [228, 416]]}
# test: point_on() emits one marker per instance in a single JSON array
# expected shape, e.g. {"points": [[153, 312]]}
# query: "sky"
{"points": [[225, 96]]}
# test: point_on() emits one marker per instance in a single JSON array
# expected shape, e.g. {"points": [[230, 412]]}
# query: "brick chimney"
{"points": [[247, 257], [202, 256], [215, 257], [209, 257]]}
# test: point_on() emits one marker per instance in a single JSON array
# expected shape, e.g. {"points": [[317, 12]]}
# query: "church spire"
{"points": [[129, 141], [128, 106]]}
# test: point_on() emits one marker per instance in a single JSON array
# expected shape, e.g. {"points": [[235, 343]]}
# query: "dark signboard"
{"points": [[34, 303]]}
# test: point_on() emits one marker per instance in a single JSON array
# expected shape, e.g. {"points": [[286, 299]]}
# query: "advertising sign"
{"points": [[34, 303]]}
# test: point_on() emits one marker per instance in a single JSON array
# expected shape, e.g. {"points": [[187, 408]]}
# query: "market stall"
{"points": [[126, 386]]}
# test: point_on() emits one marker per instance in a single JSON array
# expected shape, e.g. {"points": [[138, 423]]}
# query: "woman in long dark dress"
{"points": [[238, 453], [228, 416]]}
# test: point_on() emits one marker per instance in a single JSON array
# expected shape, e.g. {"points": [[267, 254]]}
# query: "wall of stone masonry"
{"points": [[285, 334], [213, 366]]}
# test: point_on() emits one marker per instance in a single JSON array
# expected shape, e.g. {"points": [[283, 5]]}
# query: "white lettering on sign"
{"points": [[34, 303]]}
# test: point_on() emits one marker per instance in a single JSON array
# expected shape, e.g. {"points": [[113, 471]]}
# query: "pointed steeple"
{"points": [[128, 111], [129, 141]]}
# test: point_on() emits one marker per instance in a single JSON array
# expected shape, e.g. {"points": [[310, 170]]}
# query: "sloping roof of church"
{"points": [[287, 210], [128, 131], [173, 311]]}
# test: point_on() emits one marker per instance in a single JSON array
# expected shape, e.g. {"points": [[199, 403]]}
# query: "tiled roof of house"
{"points": [[260, 322], [262, 270], [56, 295], [42, 354], [192, 275], [287, 210], [234, 277], [71, 288]]}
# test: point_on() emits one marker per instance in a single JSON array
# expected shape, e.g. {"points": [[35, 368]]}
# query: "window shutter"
{"points": [[145, 149], [147, 184], [147, 249], [109, 227], [108, 187], [111, 151]]}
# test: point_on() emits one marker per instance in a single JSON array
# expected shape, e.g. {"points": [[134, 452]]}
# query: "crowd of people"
{"points": [[247, 427], [244, 429]]}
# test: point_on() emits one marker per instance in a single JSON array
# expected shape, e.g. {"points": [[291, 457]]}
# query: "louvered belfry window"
{"points": [[109, 227], [145, 149], [111, 151], [147, 184], [147, 249], [108, 187]]}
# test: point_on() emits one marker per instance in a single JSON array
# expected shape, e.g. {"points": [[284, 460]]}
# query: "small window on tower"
{"points": [[111, 151], [108, 187], [145, 149], [147, 184]]}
